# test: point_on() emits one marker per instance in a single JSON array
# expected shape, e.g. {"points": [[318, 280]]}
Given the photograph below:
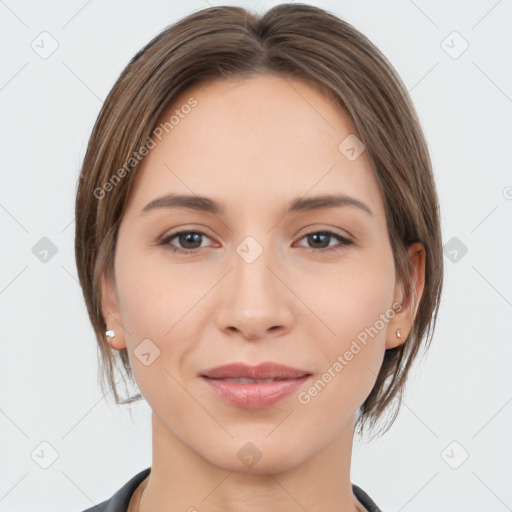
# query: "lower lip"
{"points": [[253, 395]]}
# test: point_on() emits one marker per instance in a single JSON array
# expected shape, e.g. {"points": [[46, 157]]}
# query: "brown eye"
{"points": [[319, 239], [190, 241]]}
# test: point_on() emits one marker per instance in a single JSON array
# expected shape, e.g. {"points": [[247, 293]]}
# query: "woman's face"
{"points": [[254, 282]]}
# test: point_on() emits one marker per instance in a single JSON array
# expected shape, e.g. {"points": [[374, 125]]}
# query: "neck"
{"points": [[319, 483]]}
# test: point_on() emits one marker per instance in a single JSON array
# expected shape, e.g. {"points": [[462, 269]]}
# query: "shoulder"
{"points": [[365, 500], [100, 507], [120, 500]]}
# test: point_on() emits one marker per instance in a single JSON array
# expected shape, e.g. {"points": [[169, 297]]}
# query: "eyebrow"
{"points": [[301, 204]]}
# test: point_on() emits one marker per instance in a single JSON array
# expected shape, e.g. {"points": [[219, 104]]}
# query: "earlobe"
{"points": [[400, 326], [114, 333], [397, 331]]}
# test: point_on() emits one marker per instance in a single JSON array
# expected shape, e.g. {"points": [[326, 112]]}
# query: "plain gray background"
{"points": [[458, 401]]}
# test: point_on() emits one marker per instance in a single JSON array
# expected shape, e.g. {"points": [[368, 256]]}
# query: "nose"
{"points": [[254, 299]]}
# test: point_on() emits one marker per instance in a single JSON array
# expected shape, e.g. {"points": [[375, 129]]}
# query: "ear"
{"points": [[404, 318], [111, 312]]}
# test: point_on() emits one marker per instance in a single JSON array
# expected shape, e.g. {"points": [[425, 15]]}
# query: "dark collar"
{"points": [[120, 500]]}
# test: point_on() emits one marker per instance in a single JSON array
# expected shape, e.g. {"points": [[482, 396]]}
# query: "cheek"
{"points": [[156, 294], [349, 296], [353, 309], [157, 308]]}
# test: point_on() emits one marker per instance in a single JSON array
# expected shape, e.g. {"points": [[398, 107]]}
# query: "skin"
{"points": [[254, 145]]}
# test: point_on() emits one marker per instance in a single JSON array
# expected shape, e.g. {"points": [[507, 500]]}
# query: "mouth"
{"points": [[243, 380], [256, 387], [268, 372]]}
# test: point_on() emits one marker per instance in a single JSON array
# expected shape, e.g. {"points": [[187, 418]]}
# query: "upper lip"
{"points": [[262, 371]]}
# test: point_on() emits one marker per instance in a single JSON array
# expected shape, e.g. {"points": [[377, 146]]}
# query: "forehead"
{"points": [[262, 138]]}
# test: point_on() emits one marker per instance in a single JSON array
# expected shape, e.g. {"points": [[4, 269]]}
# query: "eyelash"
{"points": [[343, 241]]}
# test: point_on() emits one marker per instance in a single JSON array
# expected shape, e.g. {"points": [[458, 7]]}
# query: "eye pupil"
{"points": [[315, 237], [190, 238]]}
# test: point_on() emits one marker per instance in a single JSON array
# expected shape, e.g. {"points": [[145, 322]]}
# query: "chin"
{"points": [[257, 457]]}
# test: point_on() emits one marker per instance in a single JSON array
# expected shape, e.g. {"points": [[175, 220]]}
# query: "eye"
{"points": [[187, 238], [320, 237]]}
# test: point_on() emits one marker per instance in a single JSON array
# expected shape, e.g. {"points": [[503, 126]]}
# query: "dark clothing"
{"points": [[120, 500]]}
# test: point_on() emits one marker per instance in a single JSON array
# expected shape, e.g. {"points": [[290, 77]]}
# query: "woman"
{"points": [[258, 243]]}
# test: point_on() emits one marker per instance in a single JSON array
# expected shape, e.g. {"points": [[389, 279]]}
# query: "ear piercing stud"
{"points": [[398, 334]]}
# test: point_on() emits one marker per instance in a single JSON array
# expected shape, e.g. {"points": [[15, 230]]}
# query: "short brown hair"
{"points": [[289, 40]]}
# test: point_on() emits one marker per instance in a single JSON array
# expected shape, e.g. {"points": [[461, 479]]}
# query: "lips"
{"points": [[269, 371], [254, 387]]}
